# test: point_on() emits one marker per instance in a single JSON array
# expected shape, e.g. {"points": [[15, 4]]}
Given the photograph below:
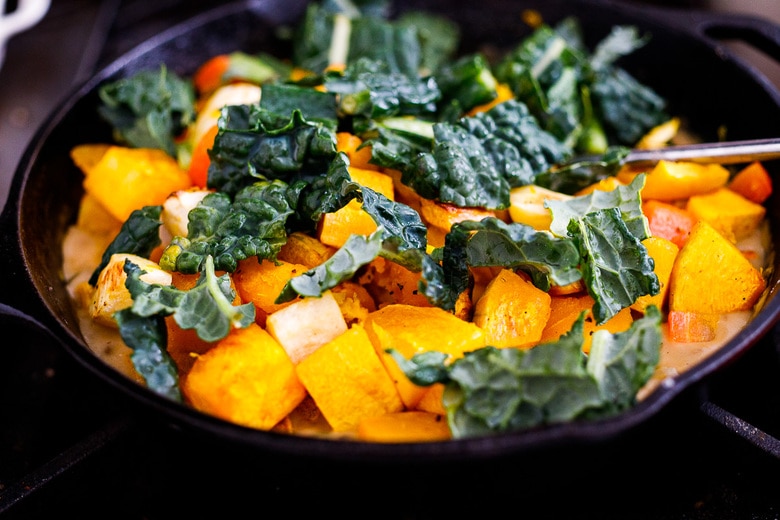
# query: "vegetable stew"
{"points": [[399, 243]]}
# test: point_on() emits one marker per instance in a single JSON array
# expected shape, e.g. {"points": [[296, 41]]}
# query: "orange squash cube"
{"points": [[412, 330], [712, 276], [411, 426], [126, 179], [512, 311], [247, 378], [348, 381]]}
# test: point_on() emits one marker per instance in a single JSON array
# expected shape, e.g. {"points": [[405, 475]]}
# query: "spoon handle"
{"points": [[725, 153]]}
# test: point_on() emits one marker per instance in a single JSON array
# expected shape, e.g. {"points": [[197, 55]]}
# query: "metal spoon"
{"points": [[728, 152]]}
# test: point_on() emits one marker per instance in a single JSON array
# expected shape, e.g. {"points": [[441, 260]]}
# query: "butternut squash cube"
{"points": [[663, 252], [95, 218], [390, 282], [512, 311], [431, 401], [348, 381], [674, 180], [412, 330], [125, 179], [359, 157], [728, 212], [247, 378], [712, 276], [304, 249], [262, 282], [335, 228], [411, 426], [305, 325], [564, 310], [442, 215]]}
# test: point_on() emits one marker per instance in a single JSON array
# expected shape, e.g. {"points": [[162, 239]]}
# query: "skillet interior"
{"points": [[710, 89]]}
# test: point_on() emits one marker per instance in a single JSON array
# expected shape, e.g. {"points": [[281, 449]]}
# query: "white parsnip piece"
{"points": [[304, 326], [176, 209], [111, 295]]}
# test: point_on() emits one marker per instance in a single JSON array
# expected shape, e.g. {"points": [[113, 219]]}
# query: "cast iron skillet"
{"points": [[705, 83]]}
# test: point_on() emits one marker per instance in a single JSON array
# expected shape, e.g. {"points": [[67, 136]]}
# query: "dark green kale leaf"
{"points": [[253, 224], [147, 337], [369, 89], [246, 149], [627, 198], [583, 171], [356, 252], [626, 107], [401, 236], [438, 36], [139, 235], [493, 390], [493, 243], [584, 99], [207, 308], [148, 109], [616, 266], [475, 162], [465, 83]]}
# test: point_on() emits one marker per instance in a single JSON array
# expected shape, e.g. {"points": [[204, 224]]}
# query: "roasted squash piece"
{"points": [[411, 426], [262, 282], [125, 179], [664, 252], [359, 157], [412, 330], [564, 310], [348, 381], [712, 276], [512, 311], [247, 378], [692, 327], [676, 180], [752, 182], [389, 282], [728, 212], [335, 228], [304, 249]]}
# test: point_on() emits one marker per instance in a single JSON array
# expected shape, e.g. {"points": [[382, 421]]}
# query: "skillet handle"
{"points": [[19, 301], [718, 27]]}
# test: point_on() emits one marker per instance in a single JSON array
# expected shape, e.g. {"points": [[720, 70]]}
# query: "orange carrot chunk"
{"points": [[752, 182], [200, 160], [668, 221], [209, 75]]}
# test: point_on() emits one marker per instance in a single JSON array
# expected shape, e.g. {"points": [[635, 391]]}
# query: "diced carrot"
{"points": [[690, 327], [752, 182], [200, 160], [209, 75], [668, 221]]}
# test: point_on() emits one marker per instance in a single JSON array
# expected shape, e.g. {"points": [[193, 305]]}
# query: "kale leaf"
{"points": [[493, 390], [253, 224], [253, 145], [148, 109], [139, 235]]}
